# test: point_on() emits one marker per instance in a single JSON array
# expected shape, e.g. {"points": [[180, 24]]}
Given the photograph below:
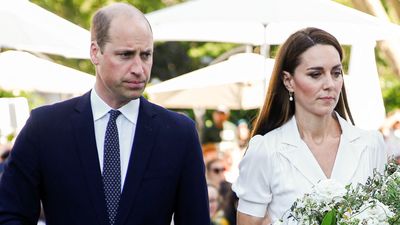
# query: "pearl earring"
{"points": [[291, 96]]}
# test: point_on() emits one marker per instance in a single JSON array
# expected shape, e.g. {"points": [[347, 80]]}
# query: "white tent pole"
{"points": [[199, 113], [364, 88]]}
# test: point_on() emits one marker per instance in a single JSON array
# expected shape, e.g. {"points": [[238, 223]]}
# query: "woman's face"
{"points": [[216, 173], [213, 200], [317, 81]]}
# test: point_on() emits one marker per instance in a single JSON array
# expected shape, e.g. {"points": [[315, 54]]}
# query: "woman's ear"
{"points": [[287, 81]]}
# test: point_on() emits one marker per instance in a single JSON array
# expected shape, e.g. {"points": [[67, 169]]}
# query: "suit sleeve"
{"points": [[192, 201], [19, 184]]}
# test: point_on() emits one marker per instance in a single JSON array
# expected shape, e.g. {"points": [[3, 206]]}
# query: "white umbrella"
{"points": [[26, 26], [238, 83], [266, 22], [260, 22], [24, 71]]}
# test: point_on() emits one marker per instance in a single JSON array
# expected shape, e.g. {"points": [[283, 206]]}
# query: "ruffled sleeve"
{"points": [[252, 186]]}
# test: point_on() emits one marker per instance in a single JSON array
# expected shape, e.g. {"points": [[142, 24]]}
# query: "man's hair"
{"points": [[101, 21], [100, 26]]}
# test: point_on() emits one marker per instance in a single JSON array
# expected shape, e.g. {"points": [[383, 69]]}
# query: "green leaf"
{"points": [[329, 218]]}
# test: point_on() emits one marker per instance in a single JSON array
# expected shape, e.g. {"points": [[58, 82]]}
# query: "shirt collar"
{"points": [[100, 108]]}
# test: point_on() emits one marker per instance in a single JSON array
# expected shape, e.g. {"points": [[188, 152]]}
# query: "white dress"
{"points": [[278, 167]]}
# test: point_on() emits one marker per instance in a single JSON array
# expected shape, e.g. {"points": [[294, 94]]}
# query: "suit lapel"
{"points": [[83, 123], [145, 137], [297, 152]]}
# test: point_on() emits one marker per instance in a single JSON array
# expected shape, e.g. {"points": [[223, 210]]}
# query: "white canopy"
{"points": [[24, 71], [267, 22], [260, 22], [238, 83], [26, 26]]}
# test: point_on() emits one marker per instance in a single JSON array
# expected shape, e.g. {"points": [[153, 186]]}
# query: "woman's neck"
{"points": [[318, 129]]}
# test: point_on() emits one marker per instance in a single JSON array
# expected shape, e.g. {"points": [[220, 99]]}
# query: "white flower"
{"points": [[356, 204], [374, 213], [327, 190]]}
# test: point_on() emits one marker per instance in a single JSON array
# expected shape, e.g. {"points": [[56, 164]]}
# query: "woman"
{"points": [[215, 172], [302, 134]]}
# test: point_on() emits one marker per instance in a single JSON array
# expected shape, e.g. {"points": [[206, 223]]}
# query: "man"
{"points": [[109, 156]]}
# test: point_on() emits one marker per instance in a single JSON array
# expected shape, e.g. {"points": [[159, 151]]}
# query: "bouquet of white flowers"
{"points": [[330, 203]]}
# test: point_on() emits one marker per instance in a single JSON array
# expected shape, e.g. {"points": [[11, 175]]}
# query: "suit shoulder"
{"points": [[56, 110]]}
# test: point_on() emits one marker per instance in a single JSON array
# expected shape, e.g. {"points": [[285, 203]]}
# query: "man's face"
{"points": [[123, 67]]}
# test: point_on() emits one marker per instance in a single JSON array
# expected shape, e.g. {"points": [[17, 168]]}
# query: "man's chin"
{"points": [[136, 94]]}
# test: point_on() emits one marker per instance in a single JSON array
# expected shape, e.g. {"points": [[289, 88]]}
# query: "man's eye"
{"points": [[146, 56], [125, 55]]}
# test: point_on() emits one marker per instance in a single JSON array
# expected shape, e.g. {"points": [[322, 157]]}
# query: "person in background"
{"points": [[216, 214], [216, 176], [3, 157], [220, 134], [304, 132], [109, 156], [243, 133], [215, 172], [391, 132]]}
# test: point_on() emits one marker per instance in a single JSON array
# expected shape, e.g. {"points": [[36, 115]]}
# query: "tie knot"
{"points": [[114, 114]]}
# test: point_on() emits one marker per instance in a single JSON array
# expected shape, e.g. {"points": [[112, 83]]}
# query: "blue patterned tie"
{"points": [[111, 167]]}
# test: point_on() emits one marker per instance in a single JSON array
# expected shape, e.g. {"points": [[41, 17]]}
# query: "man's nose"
{"points": [[136, 66]]}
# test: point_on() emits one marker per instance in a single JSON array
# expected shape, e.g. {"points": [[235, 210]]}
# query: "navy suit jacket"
{"points": [[55, 160]]}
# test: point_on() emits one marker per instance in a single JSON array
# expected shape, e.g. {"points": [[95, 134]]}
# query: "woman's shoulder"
{"points": [[266, 143], [272, 136], [357, 133], [372, 140]]}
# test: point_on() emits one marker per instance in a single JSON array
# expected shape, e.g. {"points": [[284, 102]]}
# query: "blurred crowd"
{"points": [[224, 144]]}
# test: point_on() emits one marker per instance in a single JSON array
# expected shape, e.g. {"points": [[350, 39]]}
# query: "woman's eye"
{"points": [[337, 73], [314, 75]]}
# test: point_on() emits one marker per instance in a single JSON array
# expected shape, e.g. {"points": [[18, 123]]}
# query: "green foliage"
{"points": [[210, 49], [34, 99], [171, 59], [330, 218], [5, 94], [391, 97]]}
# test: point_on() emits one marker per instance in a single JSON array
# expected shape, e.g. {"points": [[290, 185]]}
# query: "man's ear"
{"points": [[287, 80], [94, 52]]}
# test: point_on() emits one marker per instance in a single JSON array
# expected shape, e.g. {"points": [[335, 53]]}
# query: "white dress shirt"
{"points": [[126, 124], [278, 167]]}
